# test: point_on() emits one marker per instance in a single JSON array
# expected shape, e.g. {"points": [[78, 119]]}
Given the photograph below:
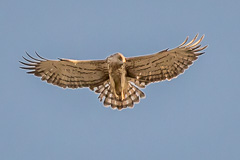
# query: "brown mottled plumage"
{"points": [[114, 77]]}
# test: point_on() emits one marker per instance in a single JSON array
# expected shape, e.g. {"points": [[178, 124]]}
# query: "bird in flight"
{"points": [[117, 79]]}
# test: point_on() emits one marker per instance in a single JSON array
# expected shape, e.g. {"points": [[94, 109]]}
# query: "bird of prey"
{"points": [[117, 79]]}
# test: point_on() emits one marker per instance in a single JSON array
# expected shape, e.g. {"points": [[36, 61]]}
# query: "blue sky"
{"points": [[195, 116]]}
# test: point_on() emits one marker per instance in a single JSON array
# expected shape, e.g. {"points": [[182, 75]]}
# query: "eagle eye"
{"points": [[120, 58]]}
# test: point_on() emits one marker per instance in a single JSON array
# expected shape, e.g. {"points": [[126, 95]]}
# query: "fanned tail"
{"points": [[132, 96]]}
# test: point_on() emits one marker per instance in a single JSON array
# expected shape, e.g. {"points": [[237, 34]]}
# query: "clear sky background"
{"points": [[195, 116]]}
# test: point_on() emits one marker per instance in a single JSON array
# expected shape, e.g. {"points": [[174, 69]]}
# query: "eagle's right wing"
{"points": [[68, 73]]}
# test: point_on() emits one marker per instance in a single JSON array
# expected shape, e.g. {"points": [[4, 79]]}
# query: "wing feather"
{"points": [[164, 65], [66, 72]]}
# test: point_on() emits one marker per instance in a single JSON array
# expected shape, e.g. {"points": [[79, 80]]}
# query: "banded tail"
{"points": [[132, 96]]}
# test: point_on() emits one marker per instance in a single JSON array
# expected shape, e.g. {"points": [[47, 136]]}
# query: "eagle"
{"points": [[117, 79]]}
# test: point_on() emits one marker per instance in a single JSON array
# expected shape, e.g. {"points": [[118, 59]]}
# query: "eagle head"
{"points": [[116, 59]]}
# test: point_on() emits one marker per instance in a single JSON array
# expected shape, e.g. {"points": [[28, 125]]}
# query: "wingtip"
{"points": [[40, 56], [27, 54], [32, 57], [184, 42], [196, 35], [22, 67], [199, 54]]}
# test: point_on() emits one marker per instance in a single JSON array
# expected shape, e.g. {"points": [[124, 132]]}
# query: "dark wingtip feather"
{"points": [[27, 64], [32, 57], [199, 54], [28, 68], [40, 56], [28, 60], [31, 72]]}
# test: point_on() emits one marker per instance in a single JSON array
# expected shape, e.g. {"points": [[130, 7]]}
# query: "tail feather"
{"points": [[132, 96]]}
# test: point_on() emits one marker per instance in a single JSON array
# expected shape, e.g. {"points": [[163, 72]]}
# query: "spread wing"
{"points": [[163, 65], [68, 73]]}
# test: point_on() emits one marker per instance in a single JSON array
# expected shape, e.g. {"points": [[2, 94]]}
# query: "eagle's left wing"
{"points": [[163, 65], [68, 73]]}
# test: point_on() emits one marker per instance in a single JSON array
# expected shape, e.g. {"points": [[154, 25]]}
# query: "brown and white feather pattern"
{"points": [[68, 73], [96, 74], [164, 65], [132, 96]]}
